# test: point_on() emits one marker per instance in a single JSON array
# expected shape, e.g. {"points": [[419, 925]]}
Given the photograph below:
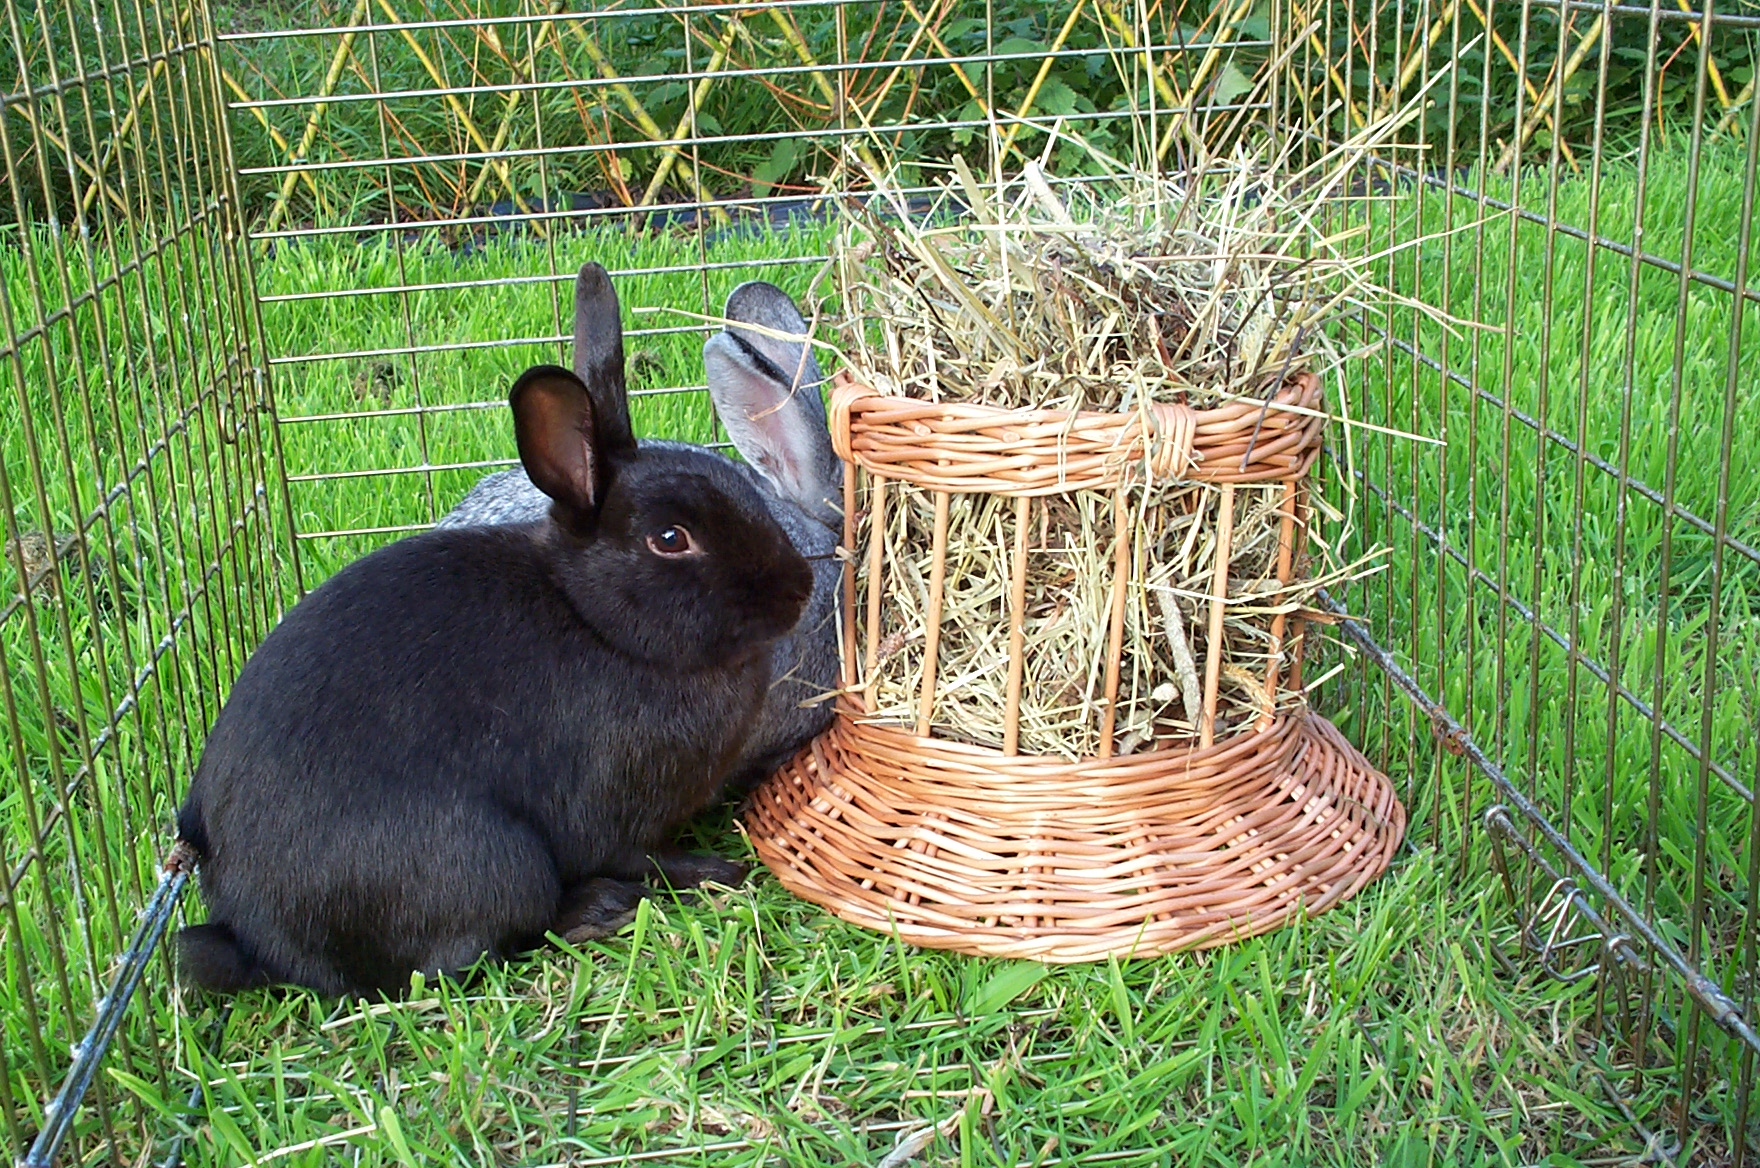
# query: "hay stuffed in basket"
{"points": [[1212, 292]]}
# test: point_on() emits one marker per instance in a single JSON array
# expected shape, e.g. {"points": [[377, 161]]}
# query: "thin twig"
{"points": [[461, 113], [1032, 94], [656, 136], [1542, 107], [511, 103], [1521, 71], [275, 136], [674, 155], [332, 76]]}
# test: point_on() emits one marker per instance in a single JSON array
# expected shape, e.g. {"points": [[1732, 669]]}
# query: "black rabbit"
{"points": [[478, 734], [765, 389]]}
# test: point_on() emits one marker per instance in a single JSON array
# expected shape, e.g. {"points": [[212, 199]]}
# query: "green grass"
{"points": [[759, 1028], [1514, 508], [756, 1028], [1675, 842]]}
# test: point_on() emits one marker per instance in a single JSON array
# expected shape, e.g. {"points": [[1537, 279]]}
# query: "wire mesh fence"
{"points": [[138, 569], [1572, 573], [373, 207]]}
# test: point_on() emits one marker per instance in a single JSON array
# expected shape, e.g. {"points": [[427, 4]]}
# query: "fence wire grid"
{"points": [[270, 266]]}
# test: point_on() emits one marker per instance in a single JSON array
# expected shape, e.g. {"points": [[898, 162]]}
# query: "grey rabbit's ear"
{"points": [[766, 392], [560, 440], [598, 355]]}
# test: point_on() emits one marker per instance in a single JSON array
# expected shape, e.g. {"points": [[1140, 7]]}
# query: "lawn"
{"points": [[1402, 1028]]}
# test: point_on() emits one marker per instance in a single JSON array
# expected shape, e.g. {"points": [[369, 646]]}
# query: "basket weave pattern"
{"points": [[959, 447], [959, 847], [1194, 840]]}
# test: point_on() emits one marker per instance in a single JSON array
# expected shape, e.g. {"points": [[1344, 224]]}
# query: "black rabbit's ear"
{"points": [[559, 436], [598, 355]]}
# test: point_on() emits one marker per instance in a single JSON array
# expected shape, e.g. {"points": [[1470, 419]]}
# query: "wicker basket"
{"points": [[978, 847]]}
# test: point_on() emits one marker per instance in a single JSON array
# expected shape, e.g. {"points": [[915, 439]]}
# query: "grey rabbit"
{"points": [[781, 433], [476, 735]]}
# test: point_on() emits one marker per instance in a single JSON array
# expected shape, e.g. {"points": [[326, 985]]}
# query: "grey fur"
{"points": [[790, 461]]}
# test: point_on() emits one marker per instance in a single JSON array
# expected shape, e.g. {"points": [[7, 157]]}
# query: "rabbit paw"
{"points": [[687, 870], [597, 908]]}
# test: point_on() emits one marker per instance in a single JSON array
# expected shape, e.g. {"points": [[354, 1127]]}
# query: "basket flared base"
{"points": [[957, 847]]}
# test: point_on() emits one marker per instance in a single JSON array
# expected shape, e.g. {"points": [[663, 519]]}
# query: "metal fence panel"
{"points": [[138, 568], [1556, 660]]}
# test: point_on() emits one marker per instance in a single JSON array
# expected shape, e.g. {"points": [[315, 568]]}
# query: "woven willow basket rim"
{"points": [[1213, 845], [972, 447]]}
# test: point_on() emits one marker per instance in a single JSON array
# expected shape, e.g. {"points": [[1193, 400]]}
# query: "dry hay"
{"points": [[1205, 290], [1068, 589], [1201, 292]]}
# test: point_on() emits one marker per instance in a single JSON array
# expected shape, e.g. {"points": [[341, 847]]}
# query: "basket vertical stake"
{"points": [[876, 580], [1218, 601], [1017, 622], [932, 634], [1286, 550], [849, 575], [1121, 564], [1298, 626]]}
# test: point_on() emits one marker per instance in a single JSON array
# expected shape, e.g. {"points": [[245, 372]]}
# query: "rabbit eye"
{"points": [[673, 541]]}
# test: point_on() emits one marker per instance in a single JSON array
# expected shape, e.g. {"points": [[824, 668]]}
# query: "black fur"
{"points": [[765, 387], [212, 958], [476, 735]]}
